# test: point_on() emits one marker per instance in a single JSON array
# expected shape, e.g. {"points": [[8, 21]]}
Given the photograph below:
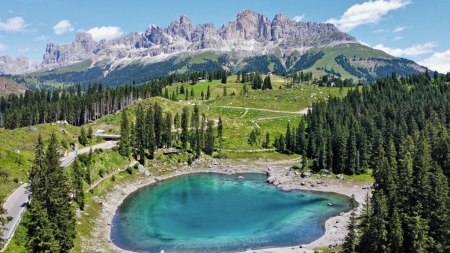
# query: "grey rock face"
{"points": [[180, 36], [247, 25], [20, 65], [182, 27], [80, 49]]}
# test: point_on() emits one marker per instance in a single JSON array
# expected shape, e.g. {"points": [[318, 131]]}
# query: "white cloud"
{"points": [[105, 32], [379, 31], [438, 61], [299, 18], [410, 51], [397, 38], [23, 50], [14, 24], [3, 47], [399, 29], [364, 43], [366, 13], [62, 27], [40, 38]]}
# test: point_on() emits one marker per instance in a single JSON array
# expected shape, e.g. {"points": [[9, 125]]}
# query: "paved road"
{"points": [[16, 204]]}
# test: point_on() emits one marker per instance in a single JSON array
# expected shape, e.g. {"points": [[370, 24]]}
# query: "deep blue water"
{"points": [[220, 213]]}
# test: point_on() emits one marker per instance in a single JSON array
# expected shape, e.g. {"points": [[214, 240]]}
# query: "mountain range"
{"points": [[249, 42]]}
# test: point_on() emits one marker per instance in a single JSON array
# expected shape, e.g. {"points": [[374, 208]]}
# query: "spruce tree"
{"points": [[184, 127], [90, 133], [52, 217], [351, 238], [209, 138], [220, 131], [124, 144], [78, 184], [140, 131], [82, 139], [158, 124], [3, 220], [150, 132]]}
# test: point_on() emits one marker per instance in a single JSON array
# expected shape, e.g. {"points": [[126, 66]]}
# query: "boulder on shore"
{"points": [[340, 176], [306, 174]]}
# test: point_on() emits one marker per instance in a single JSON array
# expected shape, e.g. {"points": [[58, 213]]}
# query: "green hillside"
{"points": [[356, 61]]}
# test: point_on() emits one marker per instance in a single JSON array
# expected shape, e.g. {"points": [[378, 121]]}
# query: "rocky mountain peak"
{"points": [[240, 34], [247, 25], [182, 26]]}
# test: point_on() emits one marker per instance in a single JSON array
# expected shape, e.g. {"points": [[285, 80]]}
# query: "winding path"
{"points": [[17, 202], [301, 112]]}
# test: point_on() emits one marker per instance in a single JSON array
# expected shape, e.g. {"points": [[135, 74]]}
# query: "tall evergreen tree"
{"points": [[209, 138], [140, 132], [150, 132], [82, 138], [184, 127], [158, 124], [124, 144], [52, 217], [78, 184]]}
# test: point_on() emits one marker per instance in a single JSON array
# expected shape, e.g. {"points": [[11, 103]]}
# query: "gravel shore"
{"points": [[285, 178]]}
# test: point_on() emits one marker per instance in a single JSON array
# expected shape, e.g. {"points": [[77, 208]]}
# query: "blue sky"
{"points": [[412, 29]]}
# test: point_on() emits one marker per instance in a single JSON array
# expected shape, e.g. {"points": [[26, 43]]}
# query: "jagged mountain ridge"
{"points": [[247, 35]]}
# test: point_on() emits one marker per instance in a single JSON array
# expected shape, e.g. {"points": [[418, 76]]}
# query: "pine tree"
{"points": [[208, 93], [40, 230], [90, 133], [82, 139], [78, 184], [60, 213], [195, 139], [184, 127], [351, 238], [150, 132], [209, 138], [167, 134], [140, 131], [52, 217], [158, 124], [395, 233], [224, 77], [220, 132], [3, 220], [124, 144]]}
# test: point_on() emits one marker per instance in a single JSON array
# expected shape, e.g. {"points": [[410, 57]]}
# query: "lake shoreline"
{"points": [[335, 227]]}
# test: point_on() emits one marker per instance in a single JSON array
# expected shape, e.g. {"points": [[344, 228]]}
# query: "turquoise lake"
{"points": [[220, 213]]}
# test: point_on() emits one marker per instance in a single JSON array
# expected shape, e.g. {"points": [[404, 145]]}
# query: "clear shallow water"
{"points": [[220, 213]]}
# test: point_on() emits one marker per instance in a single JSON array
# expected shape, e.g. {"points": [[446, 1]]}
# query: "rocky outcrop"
{"points": [[20, 65], [80, 49], [248, 34], [181, 27], [247, 25]]}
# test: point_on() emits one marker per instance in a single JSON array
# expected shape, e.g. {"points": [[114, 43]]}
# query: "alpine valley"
{"points": [[250, 42]]}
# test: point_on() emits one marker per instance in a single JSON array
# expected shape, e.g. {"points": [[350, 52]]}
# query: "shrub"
{"points": [[101, 172], [130, 171]]}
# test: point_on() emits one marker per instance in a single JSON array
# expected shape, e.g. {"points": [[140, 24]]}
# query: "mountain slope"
{"points": [[8, 86], [249, 42]]}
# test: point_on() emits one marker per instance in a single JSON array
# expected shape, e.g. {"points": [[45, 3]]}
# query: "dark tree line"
{"points": [[155, 129], [79, 105], [399, 128]]}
